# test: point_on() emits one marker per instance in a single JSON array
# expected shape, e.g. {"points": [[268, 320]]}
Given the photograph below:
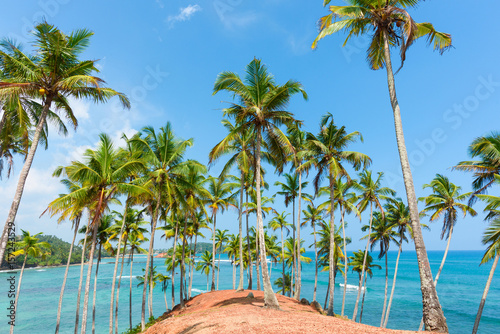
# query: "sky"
{"points": [[166, 55]]}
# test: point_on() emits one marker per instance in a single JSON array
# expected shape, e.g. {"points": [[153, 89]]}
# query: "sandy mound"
{"points": [[229, 311]]}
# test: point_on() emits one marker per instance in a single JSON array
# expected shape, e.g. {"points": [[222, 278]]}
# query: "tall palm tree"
{"points": [[361, 263], [327, 152], [382, 233], [164, 153], [279, 222], [391, 25], [52, 74], [219, 200], [261, 107], [372, 193], [28, 246], [221, 239], [313, 215], [445, 200], [239, 143], [398, 214], [103, 174], [491, 238]]}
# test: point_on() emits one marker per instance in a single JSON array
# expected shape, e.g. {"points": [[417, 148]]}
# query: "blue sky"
{"points": [[165, 55]]}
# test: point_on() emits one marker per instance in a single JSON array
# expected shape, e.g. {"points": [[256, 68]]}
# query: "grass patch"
{"points": [[137, 329]]}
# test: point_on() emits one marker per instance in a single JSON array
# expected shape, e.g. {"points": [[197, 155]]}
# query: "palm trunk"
{"points": [[165, 296], [393, 285], [218, 269], [234, 272], [270, 299], [150, 251], [95, 287], [214, 215], [58, 322], [485, 294], [250, 266], [316, 262], [113, 282], [363, 301], [130, 290], [345, 259], [192, 265], [173, 263], [240, 223], [22, 178], [294, 245], [327, 294], [331, 257], [257, 254], [89, 273], [299, 268], [18, 291], [291, 279], [440, 268], [364, 262], [385, 291], [181, 291], [283, 260], [119, 283], [433, 313], [81, 278], [151, 287]]}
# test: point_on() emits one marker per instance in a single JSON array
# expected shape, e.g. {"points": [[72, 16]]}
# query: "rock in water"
{"points": [[250, 295], [304, 301]]}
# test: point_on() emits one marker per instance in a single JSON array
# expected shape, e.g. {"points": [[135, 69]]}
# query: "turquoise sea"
{"points": [[460, 288]]}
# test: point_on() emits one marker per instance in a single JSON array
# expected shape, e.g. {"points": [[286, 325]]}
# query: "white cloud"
{"points": [[234, 21], [184, 14]]}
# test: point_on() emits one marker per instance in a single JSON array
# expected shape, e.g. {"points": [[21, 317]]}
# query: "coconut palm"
{"points": [[382, 233], [238, 143], [135, 243], [221, 238], [284, 288], [391, 25], [163, 279], [219, 200], [491, 238], [372, 193], [279, 222], [28, 246], [445, 200], [313, 216], [398, 214], [261, 107], [205, 264], [328, 154], [232, 250], [361, 263], [52, 74], [199, 222]]}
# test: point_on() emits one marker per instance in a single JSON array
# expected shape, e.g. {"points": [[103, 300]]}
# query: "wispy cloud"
{"points": [[184, 14]]}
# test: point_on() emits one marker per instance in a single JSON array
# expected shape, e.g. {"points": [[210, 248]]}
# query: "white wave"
{"points": [[351, 287], [198, 290], [41, 270]]}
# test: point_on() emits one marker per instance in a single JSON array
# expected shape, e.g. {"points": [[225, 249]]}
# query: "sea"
{"points": [[459, 289]]}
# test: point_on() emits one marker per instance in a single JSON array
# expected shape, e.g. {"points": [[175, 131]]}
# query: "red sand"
{"points": [[229, 311]]}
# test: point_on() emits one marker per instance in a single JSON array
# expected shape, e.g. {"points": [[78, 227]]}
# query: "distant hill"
{"points": [[58, 254]]}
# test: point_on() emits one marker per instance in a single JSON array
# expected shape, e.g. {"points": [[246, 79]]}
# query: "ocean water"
{"points": [[460, 288]]}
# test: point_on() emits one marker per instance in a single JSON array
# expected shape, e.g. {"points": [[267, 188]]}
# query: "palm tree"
{"points": [[361, 263], [371, 193], [327, 152], [103, 175], [205, 264], [492, 239], [279, 222], [164, 153], [163, 279], [284, 288], [445, 199], [28, 246], [221, 238], [382, 233], [392, 25], [290, 190], [313, 215], [398, 214], [219, 199], [52, 74], [261, 108], [135, 243], [239, 143], [232, 250]]}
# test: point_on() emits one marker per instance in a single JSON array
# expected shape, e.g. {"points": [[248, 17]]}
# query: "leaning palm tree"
{"points": [[327, 153], [51, 75], [445, 200], [491, 238], [261, 107], [392, 25], [279, 222], [28, 246], [372, 193]]}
